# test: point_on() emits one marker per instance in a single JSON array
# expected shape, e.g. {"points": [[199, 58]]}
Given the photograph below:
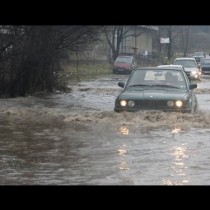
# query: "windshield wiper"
{"points": [[139, 85], [171, 86]]}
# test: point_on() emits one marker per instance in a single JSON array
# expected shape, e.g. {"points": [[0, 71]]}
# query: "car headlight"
{"points": [[131, 103], [179, 103], [123, 103], [193, 72]]}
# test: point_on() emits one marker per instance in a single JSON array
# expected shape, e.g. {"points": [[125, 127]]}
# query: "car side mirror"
{"points": [[193, 86], [199, 66], [121, 84]]}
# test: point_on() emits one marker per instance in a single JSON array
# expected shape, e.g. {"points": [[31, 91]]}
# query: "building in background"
{"points": [[138, 41], [141, 42]]}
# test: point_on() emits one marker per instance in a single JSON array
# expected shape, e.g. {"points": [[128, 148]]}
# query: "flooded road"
{"points": [[77, 139]]}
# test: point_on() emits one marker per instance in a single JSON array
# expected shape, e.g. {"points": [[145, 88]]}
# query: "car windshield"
{"points": [[163, 78], [198, 54], [123, 59], [186, 63]]}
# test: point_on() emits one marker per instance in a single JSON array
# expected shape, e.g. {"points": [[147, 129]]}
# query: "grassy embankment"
{"points": [[86, 71]]}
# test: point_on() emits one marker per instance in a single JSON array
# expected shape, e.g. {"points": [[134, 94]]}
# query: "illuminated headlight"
{"points": [[193, 72], [179, 103], [131, 103], [170, 103], [123, 103]]}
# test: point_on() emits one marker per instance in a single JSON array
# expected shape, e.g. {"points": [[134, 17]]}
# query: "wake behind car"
{"points": [[191, 67], [156, 88], [124, 64]]}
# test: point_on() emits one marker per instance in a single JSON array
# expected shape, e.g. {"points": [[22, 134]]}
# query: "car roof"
{"points": [[198, 52], [125, 56], [161, 68], [185, 58], [170, 66], [158, 68], [205, 58]]}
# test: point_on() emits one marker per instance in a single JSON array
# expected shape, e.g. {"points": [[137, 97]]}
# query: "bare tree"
{"points": [[117, 33], [29, 54], [171, 32], [185, 38]]}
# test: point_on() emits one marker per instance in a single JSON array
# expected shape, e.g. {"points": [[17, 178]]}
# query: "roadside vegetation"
{"points": [[32, 57], [76, 73], [87, 71]]}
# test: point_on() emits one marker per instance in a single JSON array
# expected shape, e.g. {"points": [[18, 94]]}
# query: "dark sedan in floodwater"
{"points": [[205, 65], [156, 88]]}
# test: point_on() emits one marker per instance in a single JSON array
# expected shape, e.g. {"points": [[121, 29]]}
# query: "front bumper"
{"points": [[183, 110], [194, 76], [121, 71]]}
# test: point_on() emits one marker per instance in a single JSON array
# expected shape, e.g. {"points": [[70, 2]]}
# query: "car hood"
{"points": [[122, 65], [190, 69], [169, 94]]}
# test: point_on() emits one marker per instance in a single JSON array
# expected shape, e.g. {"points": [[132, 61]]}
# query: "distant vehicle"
{"points": [[157, 88], [124, 64], [205, 65], [172, 66], [191, 67], [198, 56]]}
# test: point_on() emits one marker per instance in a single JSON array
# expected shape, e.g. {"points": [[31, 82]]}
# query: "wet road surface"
{"points": [[77, 139]]}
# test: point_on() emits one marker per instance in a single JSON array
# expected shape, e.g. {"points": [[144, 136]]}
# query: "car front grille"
{"points": [[158, 105], [152, 104]]}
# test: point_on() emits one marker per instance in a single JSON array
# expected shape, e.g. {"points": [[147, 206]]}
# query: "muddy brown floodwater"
{"points": [[77, 139]]}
